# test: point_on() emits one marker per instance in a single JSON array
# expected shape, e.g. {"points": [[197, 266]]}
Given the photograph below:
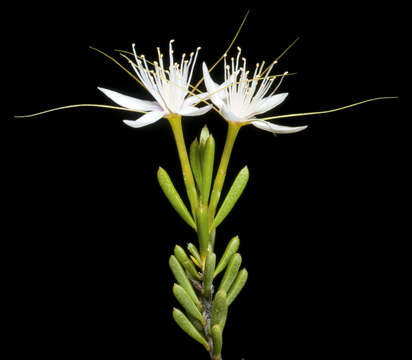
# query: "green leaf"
{"points": [[231, 249], [207, 168], [185, 261], [183, 281], [231, 272], [237, 286], [232, 196], [189, 328], [208, 273], [196, 323], [174, 198], [203, 231], [217, 338], [194, 154], [195, 253], [219, 309], [187, 303]]}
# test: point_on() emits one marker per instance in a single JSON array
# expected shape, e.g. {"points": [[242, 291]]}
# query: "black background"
{"points": [[86, 271]]}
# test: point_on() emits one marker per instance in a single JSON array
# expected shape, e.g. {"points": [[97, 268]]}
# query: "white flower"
{"points": [[169, 87], [240, 99]]}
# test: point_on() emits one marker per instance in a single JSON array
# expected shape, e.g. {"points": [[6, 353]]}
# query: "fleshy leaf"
{"points": [[187, 303], [196, 323], [231, 272], [182, 280], [203, 231], [174, 198], [237, 286], [231, 249], [194, 154], [232, 196], [219, 309], [185, 261], [208, 273], [216, 332], [207, 168], [189, 328]]}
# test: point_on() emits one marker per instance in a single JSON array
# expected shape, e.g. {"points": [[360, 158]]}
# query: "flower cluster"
{"points": [[239, 99]]}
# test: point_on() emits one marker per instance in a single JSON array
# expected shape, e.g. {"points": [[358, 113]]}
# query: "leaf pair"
{"points": [[233, 280], [182, 279], [202, 161]]}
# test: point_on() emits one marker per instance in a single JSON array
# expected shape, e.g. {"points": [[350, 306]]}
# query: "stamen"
{"points": [[329, 111], [77, 106], [171, 52], [117, 63], [237, 57]]}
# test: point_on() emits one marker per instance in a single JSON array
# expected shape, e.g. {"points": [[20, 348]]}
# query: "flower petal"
{"points": [[130, 102], [214, 90], [270, 102], [194, 111], [229, 115], [146, 119], [277, 129], [195, 99]]}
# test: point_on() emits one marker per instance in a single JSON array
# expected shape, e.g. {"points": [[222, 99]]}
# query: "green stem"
{"points": [[232, 131], [175, 122]]}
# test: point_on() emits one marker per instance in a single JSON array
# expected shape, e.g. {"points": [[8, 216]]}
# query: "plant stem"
{"points": [[175, 122], [207, 306], [232, 131]]}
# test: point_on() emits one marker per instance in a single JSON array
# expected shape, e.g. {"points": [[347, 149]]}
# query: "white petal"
{"points": [[146, 119], [229, 115], [277, 129], [215, 91], [270, 102], [195, 99], [194, 111], [130, 102]]}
